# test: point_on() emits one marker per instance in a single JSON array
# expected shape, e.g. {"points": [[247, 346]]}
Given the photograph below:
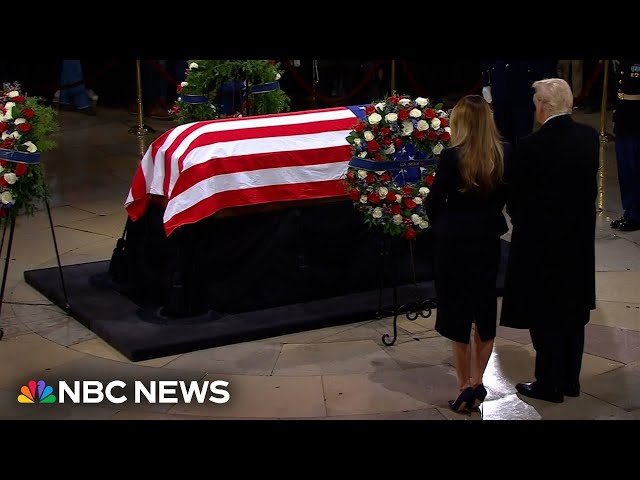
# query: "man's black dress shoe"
{"points": [[533, 390], [617, 222], [629, 225]]}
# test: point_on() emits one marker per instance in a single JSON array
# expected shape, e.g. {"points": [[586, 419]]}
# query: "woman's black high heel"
{"points": [[464, 402], [480, 393]]}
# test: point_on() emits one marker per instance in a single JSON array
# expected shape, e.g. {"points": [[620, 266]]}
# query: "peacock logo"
{"points": [[44, 393]]}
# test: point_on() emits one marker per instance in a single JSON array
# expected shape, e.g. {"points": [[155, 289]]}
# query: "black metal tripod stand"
{"points": [[66, 307]]}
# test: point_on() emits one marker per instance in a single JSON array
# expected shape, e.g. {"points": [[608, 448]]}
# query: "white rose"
{"points": [[379, 172], [10, 178], [6, 197], [377, 212], [184, 84], [397, 219], [437, 149], [391, 117], [390, 149], [382, 191], [381, 106], [5, 135], [13, 93], [363, 199], [422, 102], [404, 101], [363, 154], [448, 130], [423, 125], [193, 65], [415, 113], [362, 173], [374, 118], [357, 141], [31, 148], [16, 135], [9, 105], [424, 191], [278, 76], [435, 123], [418, 200], [399, 198], [441, 113], [407, 128], [18, 121], [423, 224], [415, 218], [368, 136]]}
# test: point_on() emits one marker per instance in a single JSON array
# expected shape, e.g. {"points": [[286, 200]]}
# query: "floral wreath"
{"points": [[394, 155], [25, 129], [216, 88]]}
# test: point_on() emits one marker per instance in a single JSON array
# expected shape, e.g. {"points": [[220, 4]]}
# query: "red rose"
{"points": [[385, 177], [4, 163], [391, 197], [385, 131], [21, 169], [377, 157], [370, 178], [431, 134], [394, 100], [407, 191], [24, 127], [418, 134], [410, 234], [373, 198], [403, 115], [19, 99], [353, 194], [3, 182], [373, 146], [398, 142], [428, 180], [27, 113], [4, 126], [429, 113], [178, 88], [386, 141], [443, 122], [369, 110], [409, 203], [395, 209], [350, 176], [446, 136], [360, 127]]}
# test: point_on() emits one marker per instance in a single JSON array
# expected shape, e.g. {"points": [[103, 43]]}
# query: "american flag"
{"points": [[203, 167]]}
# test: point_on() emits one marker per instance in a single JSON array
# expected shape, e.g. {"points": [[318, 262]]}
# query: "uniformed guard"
{"points": [[507, 86], [627, 131]]}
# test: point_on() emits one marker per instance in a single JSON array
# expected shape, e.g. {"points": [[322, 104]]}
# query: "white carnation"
{"points": [[383, 191], [448, 130], [397, 219], [407, 128], [418, 200], [435, 123], [357, 141], [16, 135], [404, 101], [6, 197], [368, 136], [415, 218], [18, 121], [31, 147], [422, 102], [437, 149], [10, 178], [424, 191], [381, 106], [278, 76], [362, 154], [363, 199], [5, 135], [390, 149], [193, 65], [184, 84], [415, 113], [362, 173], [13, 93], [399, 198], [377, 212], [374, 118], [423, 125], [423, 224]]}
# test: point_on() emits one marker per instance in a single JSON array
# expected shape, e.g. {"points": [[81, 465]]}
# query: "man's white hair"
{"points": [[555, 94]]}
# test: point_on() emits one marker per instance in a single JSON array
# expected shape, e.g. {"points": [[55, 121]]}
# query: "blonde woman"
{"points": [[465, 208]]}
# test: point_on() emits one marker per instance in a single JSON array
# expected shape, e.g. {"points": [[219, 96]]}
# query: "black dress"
{"points": [[467, 228]]}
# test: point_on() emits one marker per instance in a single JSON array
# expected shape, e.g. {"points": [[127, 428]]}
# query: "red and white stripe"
{"points": [[204, 167]]}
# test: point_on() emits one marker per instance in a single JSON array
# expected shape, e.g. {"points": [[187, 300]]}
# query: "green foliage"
{"points": [[206, 77]]}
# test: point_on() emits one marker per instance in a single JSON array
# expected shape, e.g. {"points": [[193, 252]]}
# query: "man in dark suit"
{"points": [[627, 131], [550, 277], [507, 86]]}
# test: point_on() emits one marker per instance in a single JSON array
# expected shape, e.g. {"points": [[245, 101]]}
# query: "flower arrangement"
{"points": [[215, 89], [394, 153], [26, 127]]}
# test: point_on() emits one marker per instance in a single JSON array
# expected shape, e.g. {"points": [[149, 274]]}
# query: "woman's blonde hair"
{"points": [[481, 153]]}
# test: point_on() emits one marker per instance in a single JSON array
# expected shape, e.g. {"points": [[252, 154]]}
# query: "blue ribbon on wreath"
{"points": [[19, 157]]}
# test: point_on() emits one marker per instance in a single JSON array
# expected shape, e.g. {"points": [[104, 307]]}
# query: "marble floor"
{"points": [[342, 372]]}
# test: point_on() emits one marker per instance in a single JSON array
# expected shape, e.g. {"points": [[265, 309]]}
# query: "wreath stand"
{"points": [[418, 307], [67, 307]]}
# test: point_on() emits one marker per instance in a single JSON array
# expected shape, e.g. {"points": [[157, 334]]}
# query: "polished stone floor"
{"points": [[341, 372]]}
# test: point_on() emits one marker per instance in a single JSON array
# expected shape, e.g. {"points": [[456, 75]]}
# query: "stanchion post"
{"points": [[604, 136], [141, 128]]}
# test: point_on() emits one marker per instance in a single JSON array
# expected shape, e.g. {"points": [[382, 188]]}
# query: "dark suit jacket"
{"points": [[464, 215], [511, 80], [553, 190]]}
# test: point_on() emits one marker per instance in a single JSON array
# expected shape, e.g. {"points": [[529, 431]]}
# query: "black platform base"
{"points": [[140, 332]]}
